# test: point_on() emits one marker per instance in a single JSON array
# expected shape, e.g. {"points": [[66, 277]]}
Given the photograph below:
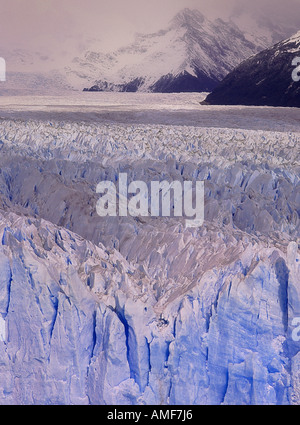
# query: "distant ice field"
{"points": [[183, 109]]}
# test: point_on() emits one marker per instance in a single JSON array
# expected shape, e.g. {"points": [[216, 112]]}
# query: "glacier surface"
{"points": [[142, 310]]}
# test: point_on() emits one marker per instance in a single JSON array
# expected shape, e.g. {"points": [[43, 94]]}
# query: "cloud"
{"points": [[60, 27]]}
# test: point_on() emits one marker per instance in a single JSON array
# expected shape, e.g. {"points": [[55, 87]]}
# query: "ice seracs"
{"points": [[144, 311]]}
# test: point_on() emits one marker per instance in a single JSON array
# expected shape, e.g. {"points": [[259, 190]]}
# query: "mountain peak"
{"points": [[188, 17]]}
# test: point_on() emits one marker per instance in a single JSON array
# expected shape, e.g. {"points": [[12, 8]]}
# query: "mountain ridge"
{"points": [[192, 54], [262, 80]]}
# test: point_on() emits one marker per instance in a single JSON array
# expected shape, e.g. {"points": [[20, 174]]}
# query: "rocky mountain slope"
{"points": [[264, 79]]}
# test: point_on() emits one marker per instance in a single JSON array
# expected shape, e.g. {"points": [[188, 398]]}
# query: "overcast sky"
{"points": [[52, 22], [64, 25]]}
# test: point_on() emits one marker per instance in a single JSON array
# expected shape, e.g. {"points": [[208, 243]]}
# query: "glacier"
{"points": [[142, 310]]}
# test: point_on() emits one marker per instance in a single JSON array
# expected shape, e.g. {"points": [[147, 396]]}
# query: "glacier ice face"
{"points": [[85, 326], [129, 311]]}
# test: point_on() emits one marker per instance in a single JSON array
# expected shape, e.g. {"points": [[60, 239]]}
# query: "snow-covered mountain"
{"points": [[264, 79], [30, 72], [192, 54]]}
